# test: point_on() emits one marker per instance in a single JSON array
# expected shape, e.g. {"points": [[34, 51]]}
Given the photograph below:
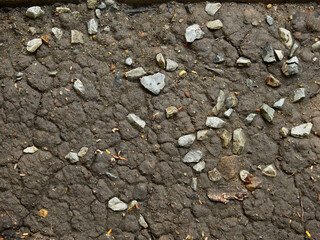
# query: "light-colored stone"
{"points": [[170, 111], [302, 130], [279, 54], [214, 175], [316, 46], [62, 10], [79, 87], [193, 156], [129, 61], [34, 12], [243, 62], [272, 81], [249, 119], [171, 65], [214, 25], [199, 166], [34, 44], [193, 32], [115, 204], [243, 175], [267, 112], [161, 61], [269, 171], [215, 122], [285, 37], [72, 157], [212, 8], [92, 4], [194, 184], [186, 140], [239, 141], [57, 32], [220, 102], [76, 37], [279, 104], [202, 135], [92, 26], [143, 222], [299, 94], [225, 138], [136, 121], [228, 113], [284, 132], [154, 83], [83, 151], [31, 149], [135, 74]]}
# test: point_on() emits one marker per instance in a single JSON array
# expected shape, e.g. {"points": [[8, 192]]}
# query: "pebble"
{"points": [[31, 149], [243, 62], [34, 44], [102, 5], [57, 32], [92, 4], [269, 171], [186, 140], [116, 204], [107, 29], [111, 176], [279, 54], [132, 204], [98, 13], [34, 12], [72, 157], [243, 175], [212, 8], [269, 20], [219, 58], [316, 46], [279, 104], [83, 151], [290, 67], [170, 111], [194, 184], [220, 102], [254, 183], [193, 32], [143, 222], [293, 50], [255, 23], [268, 55], [228, 166], [76, 37], [285, 37], [193, 156], [32, 30], [171, 65], [135, 73], [249, 84], [231, 100], [79, 87], [272, 81], [284, 132], [154, 83], [228, 113], [225, 138], [199, 166], [118, 80], [19, 76], [214, 175], [202, 135], [92, 26], [214, 25], [112, 4], [161, 61], [239, 141], [62, 10], [249, 119], [128, 61], [136, 121], [299, 94], [267, 112], [215, 122], [302, 130]]}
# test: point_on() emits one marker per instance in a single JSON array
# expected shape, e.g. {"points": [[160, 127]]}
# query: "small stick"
{"points": [[301, 204], [315, 105], [9, 215]]}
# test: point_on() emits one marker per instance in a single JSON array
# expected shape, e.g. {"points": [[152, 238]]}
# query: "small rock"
{"points": [[243, 62], [76, 37], [219, 58], [161, 61], [302, 130], [32, 30], [112, 4], [239, 141], [255, 23], [19, 76], [57, 32], [269, 171], [228, 166], [243, 175], [269, 20], [118, 80], [72, 157], [284, 132], [249, 84], [215, 122], [228, 113], [79, 88], [34, 12], [294, 48], [214, 25], [193, 156], [92, 4], [170, 111], [225, 138], [136, 121], [111, 176], [268, 55], [279, 54], [129, 61], [254, 183], [249, 119], [62, 10], [32, 149], [279, 104], [83, 151], [212, 8], [285, 37], [107, 29], [53, 73], [272, 81], [194, 184], [199, 166], [34, 44], [220, 102], [132, 204], [154, 83], [231, 100], [267, 112], [290, 67], [193, 32], [143, 222], [135, 73], [186, 140], [202, 135], [102, 5], [171, 65], [116, 204], [299, 94], [316, 46], [92, 26], [98, 13], [214, 175]]}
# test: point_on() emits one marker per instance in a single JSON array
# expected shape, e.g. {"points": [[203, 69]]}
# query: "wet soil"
{"points": [[43, 110]]}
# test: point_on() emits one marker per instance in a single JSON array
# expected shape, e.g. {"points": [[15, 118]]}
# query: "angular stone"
{"points": [[154, 83], [193, 32], [212, 8], [186, 140], [299, 94], [202, 135], [279, 104], [72, 157], [34, 44], [269, 171], [32, 30], [31, 149], [228, 113], [115, 204], [267, 112], [193, 156], [34, 12], [268, 55], [98, 13], [143, 222], [62, 10], [229, 166], [219, 58], [220, 102], [136, 121], [215, 122], [243, 62], [214, 175], [293, 50], [161, 61], [239, 141], [57, 32], [269, 20], [279, 54], [272, 81], [316, 46], [79, 88], [92, 4], [290, 67], [83, 151], [171, 65], [170, 111], [199, 166], [284, 132], [231, 100], [285, 37], [214, 25], [249, 119], [225, 138], [302, 130], [92, 26], [135, 74], [76, 37], [129, 61], [194, 184], [243, 175], [254, 183]]}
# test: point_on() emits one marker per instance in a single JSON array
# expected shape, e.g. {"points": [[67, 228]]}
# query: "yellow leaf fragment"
{"points": [[43, 213]]}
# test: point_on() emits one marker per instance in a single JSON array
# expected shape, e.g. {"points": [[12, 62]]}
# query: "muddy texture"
{"points": [[41, 108]]}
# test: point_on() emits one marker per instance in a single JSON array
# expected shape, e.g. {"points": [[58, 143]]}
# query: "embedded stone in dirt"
{"points": [[302, 130], [186, 140], [202, 135], [72, 157], [193, 32], [249, 119], [239, 141], [269, 171], [154, 83], [279, 104], [267, 112], [285, 37], [224, 195], [299, 94], [214, 25], [212, 8], [220, 102], [34, 44], [272, 81], [243, 62], [92, 26], [76, 37], [79, 88], [229, 166], [136, 121], [268, 55], [117, 205], [215, 122], [161, 61], [214, 175], [225, 138], [31, 149], [192, 156], [199, 166], [34, 12], [57, 32], [135, 74], [171, 65]]}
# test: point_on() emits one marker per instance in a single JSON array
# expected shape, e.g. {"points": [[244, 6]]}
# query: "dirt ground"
{"points": [[40, 107]]}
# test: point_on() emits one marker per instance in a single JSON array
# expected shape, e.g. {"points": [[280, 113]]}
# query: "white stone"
{"points": [[215, 122], [32, 149], [192, 156], [76, 36], [302, 130], [116, 204], [212, 8], [34, 12], [83, 151], [279, 54], [142, 222], [92, 26], [243, 62], [199, 166], [72, 157], [193, 32], [78, 87], [171, 65], [269, 171], [161, 61], [129, 61], [136, 121], [244, 174], [154, 83], [228, 113], [316, 46], [214, 25], [62, 10], [135, 73], [57, 32], [285, 37], [186, 140], [279, 104], [34, 44]]}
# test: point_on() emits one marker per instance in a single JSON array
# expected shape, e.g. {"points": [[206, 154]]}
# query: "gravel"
{"points": [[154, 83], [186, 140], [193, 156]]}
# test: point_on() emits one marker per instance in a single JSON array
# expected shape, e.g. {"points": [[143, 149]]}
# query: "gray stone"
{"points": [[107, 29], [272, 81], [269, 171], [135, 74], [76, 37], [193, 156], [194, 184], [186, 140], [218, 71], [83, 151], [161, 61], [62, 10], [92, 26], [243, 62], [228, 113], [293, 50], [316, 46], [268, 55], [231, 100], [249, 119], [154, 83], [267, 112], [293, 60], [102, 5], [284, 132], [111, 176], [285, 37], [34, 12], [279, 104], [143, 222], [34, 44], [72, 157], [136, 121], [243, 175], [115, 204], [214, 25], [202, 135], [290, 67], [214, 175], [170, 111], [255, 23], [225, 138], [302, 130], [220, 102], [199, 166], [171, 65], [215, 122], [269, 20], [249, 83], [193, 32], [299, 94], [57, 32], [92, 4], [239, 141], [279, 54], [212, 8], [32, 30], [31, 149], [79, 88], [219, 58], [98, 13], [129, 61]]}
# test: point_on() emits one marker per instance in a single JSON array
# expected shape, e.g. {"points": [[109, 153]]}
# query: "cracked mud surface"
{"points": [[45, 111]]}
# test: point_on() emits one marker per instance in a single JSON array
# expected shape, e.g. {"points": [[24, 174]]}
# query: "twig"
{"points": [[315, 105], [9, 215], [301, 204]]}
